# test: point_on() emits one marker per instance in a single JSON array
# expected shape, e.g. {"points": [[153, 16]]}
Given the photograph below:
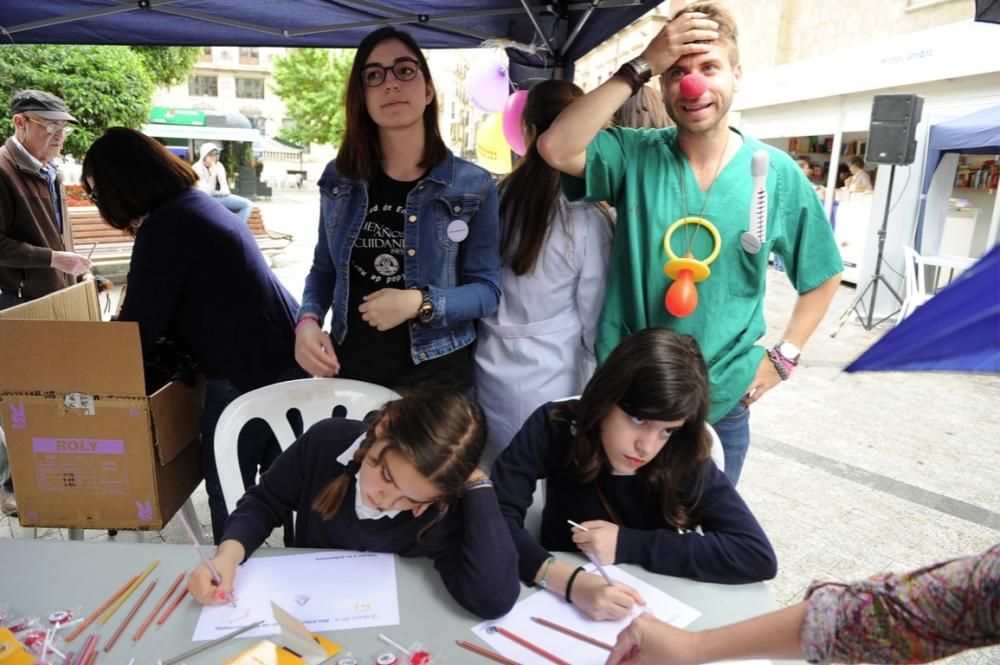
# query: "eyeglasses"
{"points": [[52, 127], [404, 69]]}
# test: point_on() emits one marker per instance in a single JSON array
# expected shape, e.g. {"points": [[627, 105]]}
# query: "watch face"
{"points": [[789, 350]]}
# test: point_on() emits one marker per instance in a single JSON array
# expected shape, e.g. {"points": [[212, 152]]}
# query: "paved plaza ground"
{"points": [[849, 474]]}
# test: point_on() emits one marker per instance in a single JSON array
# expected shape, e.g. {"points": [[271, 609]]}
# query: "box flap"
{"points": [[176, 409], [74, 303], [87, 357]]}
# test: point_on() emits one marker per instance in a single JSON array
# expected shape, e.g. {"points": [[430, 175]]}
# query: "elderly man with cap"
{"points": [[212, 180], [35, 231]]}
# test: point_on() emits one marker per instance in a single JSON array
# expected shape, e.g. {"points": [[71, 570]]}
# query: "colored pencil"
{"points": [[528, 645], [593, 559], [486, 653], [572, 633], [128, 618], [88, 646], [209, 645], [177, 601], [135, 585], [96, 613], [216, 577], [159, 606]]}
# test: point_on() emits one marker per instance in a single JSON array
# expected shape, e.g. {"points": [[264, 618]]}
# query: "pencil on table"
{"points": [[528, 645], [177, 601], [88, 646], [159, 606], [572, 633], [128, 617], [135, 585], [96, 613], [482, 651]]}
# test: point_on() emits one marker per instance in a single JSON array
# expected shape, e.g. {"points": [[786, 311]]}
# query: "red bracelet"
{"points": [[303, 320]]}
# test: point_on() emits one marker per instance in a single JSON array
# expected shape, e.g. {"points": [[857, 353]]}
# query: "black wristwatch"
{"points": [[425, 313]]}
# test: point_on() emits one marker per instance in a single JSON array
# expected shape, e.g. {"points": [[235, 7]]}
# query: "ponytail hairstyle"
{"points": [[530, 195], [654, 374], [440, 432]]}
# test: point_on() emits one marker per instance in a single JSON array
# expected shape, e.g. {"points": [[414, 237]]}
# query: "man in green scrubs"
{"points": [[700, 168]]}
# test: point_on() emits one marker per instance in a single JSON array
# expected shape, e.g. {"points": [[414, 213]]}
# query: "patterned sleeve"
{"points": [[915, 617]]}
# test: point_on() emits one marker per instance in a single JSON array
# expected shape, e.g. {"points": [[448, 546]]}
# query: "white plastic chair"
{"points": [[916, 283], [314, 399]]}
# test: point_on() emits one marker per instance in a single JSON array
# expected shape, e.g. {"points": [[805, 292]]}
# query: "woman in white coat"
{"points": [[539, 345]]}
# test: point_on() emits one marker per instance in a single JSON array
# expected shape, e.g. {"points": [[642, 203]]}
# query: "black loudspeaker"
{"points": [[894, 123]]}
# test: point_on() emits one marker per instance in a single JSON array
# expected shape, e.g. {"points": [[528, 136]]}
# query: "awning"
{"points": [[204, 133]]}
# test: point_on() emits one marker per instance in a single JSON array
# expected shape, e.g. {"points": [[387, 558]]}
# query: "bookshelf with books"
{"points": [[977, 172]]}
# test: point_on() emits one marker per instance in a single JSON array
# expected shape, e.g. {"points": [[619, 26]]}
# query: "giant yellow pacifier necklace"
{"points": [[682, 296]]}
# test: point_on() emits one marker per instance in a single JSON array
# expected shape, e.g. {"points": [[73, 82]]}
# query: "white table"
{"points": [[954, 265], [43, 576]]}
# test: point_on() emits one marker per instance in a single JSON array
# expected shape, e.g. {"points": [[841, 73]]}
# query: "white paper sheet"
{"points": [[553, 608], [323, 590]]}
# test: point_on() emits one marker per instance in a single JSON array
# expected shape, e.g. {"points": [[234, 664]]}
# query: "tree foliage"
{"points": [[168, 65], [312, 82], [104, 86]]}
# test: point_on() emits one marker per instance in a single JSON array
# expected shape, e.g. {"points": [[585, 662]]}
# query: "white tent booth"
{"points": [[820, 96]]}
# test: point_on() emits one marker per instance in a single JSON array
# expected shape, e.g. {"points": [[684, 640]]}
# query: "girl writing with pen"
{"points": [[407, 484], [630, 461]]}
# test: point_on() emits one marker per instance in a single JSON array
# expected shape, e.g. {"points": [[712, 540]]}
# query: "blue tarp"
{"points": [[956, 330], [976, 133], [571, 28]]}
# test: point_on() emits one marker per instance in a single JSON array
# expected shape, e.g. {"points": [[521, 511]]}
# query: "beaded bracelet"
{"points": [[544, 583], [780, 366], [569, 584]]}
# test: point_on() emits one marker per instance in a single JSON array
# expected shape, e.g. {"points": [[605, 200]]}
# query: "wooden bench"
{"points": [[106, 245]]}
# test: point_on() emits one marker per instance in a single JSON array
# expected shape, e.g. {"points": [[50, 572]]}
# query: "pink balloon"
{"points": [[513, 110], [488, 86]]}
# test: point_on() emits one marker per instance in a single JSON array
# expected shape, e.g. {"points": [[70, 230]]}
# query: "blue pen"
{"points": [[593, 559]]}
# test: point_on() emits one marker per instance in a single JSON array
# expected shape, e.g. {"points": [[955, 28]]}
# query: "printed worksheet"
{"points": [[323, 590], [553, 608]]}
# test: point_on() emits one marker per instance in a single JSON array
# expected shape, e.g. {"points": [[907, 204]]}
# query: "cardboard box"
{"points": [[88, 448]]}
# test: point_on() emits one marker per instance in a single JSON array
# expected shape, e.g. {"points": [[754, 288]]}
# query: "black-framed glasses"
{"points": [[52, 127], [404, 69]]}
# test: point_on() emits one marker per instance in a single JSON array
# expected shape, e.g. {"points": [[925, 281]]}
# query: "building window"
{"points": [[250, 88], [249, 55], [204, 86], [206, 54]]}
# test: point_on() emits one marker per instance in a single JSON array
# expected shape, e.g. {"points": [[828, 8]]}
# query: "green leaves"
{"points": [[104, 86], [312, 82]]}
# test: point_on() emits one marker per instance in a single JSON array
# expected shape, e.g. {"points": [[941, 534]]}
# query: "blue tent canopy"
{"points": [[976, 133], [956, 330], [566, 30]]}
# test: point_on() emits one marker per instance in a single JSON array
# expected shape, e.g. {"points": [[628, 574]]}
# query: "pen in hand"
{"points": [[593, 559], [216, 577]]}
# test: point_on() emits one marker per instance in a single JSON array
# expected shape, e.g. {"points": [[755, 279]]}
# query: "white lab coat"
{"points": [[539, 345]]}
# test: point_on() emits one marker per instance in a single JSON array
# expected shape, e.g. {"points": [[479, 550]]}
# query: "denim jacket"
{"points": [[463, 278]]}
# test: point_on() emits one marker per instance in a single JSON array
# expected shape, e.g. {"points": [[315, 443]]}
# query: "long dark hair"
{"points": [[655, 374], [360, 152], [531, 191], [440, 432], [132, 175]]}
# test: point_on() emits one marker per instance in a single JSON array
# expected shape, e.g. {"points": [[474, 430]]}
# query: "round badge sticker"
{"points": [[458, 231], [750, 242]]}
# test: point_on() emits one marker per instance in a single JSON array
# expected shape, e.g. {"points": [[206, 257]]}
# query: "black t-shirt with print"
{"points": [[377, 262]]}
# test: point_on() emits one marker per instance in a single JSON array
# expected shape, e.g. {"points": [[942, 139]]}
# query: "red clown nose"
{"points": [[693, 86]]}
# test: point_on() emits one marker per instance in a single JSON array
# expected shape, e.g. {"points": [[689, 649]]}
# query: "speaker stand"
{"points": [[866, 313]]}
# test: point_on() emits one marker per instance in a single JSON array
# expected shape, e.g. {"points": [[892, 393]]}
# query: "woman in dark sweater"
{"points": [[198, 279], [630, 461], [407, 484]]}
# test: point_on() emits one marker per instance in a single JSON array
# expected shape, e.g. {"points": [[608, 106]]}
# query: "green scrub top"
{"points": [[639, 172]]}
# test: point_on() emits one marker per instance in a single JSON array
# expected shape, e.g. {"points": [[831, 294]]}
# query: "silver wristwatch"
{"points": [[789, 351]]}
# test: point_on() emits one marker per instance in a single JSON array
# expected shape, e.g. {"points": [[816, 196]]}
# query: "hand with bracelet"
{"points": [[588, 591], [688, 34], [776, 366]]}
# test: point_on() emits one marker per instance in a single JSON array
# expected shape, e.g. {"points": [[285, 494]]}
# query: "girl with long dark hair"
{"points": [[630, 461], [406, 483], [407, 256], [539, 344]]}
